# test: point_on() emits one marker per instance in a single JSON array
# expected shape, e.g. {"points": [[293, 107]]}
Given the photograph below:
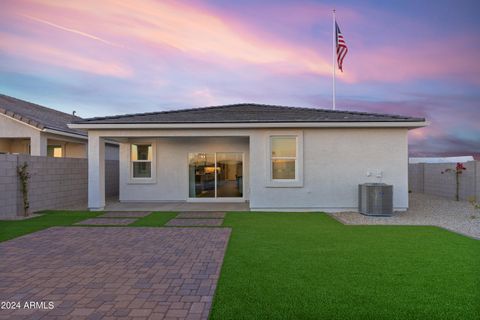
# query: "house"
{"points": [[28, 128], [273, 157]]}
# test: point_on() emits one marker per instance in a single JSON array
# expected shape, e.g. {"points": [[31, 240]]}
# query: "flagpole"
{"points": [[334, 53]]}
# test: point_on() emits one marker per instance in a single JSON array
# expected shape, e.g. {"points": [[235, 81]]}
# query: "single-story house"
{"points": [[28, 128], [273, 157]]}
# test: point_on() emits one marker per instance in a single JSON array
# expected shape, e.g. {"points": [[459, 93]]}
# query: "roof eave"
{"points": [[246, 125]]}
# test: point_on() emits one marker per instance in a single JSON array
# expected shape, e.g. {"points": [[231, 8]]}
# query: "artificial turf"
{"points": [[10, 229], [309, 266], [154, 219]]}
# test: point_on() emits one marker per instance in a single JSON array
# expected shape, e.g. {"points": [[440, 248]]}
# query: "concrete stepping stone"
{"points": [[200, 215], [106, 222], [125, 214], [194, 222]]}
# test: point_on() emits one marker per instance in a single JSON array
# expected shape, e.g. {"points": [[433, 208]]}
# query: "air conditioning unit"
{"points": [[375, 199]]}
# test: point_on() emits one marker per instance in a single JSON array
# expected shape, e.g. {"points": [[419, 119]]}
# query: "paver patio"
{"points": [[125, 214], [194, 223], [111, 272], [106, 221], [201, 214]]}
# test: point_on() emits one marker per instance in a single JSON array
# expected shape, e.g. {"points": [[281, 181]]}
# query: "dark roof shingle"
{"points": [[37, 115], [249, 113]]}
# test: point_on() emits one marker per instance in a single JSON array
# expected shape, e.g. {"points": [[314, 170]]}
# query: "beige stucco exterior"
{"points": [[17, 137], [331, 162]]}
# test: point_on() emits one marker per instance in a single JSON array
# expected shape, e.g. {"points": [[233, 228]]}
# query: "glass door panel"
{"points": [[201, 175], [229, 175]]}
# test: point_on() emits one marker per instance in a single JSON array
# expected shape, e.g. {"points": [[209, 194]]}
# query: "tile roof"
{"points": [[37, 115], [248, 113]]}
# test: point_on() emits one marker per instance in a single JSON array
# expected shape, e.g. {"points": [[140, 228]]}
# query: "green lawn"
{"points": [[16, 228], [155, 219], [309, 266]]}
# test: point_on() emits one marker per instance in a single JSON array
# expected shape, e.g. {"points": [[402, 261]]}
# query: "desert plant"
{"points": [[24, 176], [458, 171]]}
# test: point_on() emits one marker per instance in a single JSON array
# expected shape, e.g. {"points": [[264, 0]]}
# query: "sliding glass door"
{"points": [[216, 175]]}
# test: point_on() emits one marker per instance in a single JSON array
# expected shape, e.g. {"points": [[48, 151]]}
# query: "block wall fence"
{"points": [[55, 183], [428, 178]]}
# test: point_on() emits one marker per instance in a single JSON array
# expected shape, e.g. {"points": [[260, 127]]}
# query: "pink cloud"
{"points": [[191, 30], [417, 60], [35, 51]]}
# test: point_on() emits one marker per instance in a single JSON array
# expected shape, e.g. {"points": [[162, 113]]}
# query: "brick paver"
{"points": [[112, 273], [200, 214], [194, 222], [107, 221], [125, 214]]}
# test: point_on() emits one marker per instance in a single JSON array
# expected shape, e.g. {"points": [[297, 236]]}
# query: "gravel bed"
{"points": [[456, 216]]}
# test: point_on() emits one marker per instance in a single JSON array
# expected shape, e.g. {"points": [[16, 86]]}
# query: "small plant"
{"points": [[458, 171], [24, 176], [474, 203]]}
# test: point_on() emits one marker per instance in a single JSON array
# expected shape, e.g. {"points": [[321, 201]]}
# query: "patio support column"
{"points": [[38, 145], [96, 172]]}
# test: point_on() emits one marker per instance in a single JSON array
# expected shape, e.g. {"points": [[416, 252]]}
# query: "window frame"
{"points": [[55, 146], [142, 180], [298, 180]]}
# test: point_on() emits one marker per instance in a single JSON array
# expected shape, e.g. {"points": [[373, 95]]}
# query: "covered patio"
{"points": [[172, 170]]}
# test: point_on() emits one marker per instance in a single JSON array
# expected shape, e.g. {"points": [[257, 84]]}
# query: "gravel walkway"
{"points": [[125, 214], [201, 215], [106, 222], [460, 217], [194, 223]]}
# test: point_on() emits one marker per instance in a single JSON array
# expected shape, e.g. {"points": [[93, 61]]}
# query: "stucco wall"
{"points": [[171, 183], [335, 161]]}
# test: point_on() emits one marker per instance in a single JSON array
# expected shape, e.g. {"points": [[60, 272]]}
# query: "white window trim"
{"points": [[153, 178], [285, 183]]}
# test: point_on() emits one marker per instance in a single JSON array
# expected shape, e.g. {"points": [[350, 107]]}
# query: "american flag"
{"points": [[341, 47]]}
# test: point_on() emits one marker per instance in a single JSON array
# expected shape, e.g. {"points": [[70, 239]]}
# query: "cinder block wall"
{"points": [[55, 183], [428, 178], [9, 189], [477, 183], [415, 177], [111, 178]]}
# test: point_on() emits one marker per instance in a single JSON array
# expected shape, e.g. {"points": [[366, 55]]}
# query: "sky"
{"points": [[417, 58]]}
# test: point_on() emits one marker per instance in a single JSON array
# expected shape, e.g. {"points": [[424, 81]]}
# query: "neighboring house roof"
{"points": [[247, 113], [38, 116]]}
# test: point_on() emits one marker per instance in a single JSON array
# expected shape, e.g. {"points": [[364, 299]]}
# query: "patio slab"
{"points": [[201, 214], [194, 223], [177, 206], [111, 272], [106, 222], [125, 214]]}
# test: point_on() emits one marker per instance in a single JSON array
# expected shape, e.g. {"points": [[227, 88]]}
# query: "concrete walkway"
{"points": [[113, 272]]}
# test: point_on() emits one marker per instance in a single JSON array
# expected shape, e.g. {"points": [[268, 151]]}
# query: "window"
{"points": [[141, 155], [283, 157], [54, 151]]}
